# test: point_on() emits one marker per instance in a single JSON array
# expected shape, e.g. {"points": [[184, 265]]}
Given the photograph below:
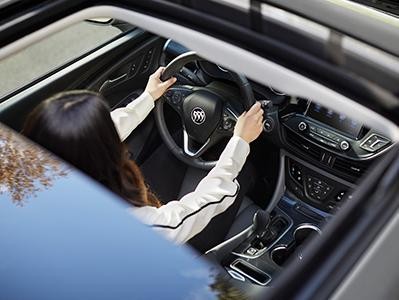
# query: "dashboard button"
{"points": [[268, 124], [312, 135], [321, 140], [320, 131], [337, 139], [302, 126], [344, 145], [334, 145], [340, 196]]}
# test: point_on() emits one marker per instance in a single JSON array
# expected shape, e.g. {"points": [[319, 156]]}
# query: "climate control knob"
{"points": [[302, 126], [344, 145]]}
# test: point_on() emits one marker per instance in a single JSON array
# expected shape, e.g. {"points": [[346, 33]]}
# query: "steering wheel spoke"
{"points": [[194, 149], [228, 120], [175, 96]]}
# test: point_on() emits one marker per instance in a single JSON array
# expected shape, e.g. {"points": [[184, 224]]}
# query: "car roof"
{"points": [[63, 236], [387, 6]]}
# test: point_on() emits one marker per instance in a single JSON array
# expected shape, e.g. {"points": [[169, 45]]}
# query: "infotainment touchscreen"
{"points": [[335, 120]]}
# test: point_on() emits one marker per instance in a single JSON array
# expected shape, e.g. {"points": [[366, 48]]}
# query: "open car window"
{"points": [[53, 52]]}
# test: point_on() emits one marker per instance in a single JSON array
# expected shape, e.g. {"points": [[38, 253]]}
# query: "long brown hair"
{"points": [[77, 126]]}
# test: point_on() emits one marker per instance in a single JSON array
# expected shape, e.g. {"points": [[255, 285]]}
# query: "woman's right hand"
{"points": [[250, 124]]}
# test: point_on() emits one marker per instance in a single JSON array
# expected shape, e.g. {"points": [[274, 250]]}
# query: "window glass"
{"points": [[52, 52]]}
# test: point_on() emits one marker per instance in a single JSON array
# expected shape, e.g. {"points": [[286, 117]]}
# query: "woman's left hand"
{"points": [[156, 87]]}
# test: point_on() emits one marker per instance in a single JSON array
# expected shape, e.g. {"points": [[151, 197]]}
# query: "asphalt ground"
{"points": [[54, 51]]}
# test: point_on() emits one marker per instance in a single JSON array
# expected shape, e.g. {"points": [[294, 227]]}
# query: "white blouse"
{"points": [[180, 220]]}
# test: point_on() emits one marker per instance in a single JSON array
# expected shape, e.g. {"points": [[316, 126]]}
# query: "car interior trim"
{"points": [[239, 59], [235, 267], [280, 185], [318, 170]]}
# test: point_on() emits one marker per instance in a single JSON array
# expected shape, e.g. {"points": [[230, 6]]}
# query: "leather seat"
{"points": [[245, 213]]}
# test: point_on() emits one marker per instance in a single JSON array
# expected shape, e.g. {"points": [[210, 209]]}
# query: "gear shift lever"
{"points": [[260, 221]]}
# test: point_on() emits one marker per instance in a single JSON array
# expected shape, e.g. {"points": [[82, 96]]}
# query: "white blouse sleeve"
{"points": [[181, 220], [126, 119]]}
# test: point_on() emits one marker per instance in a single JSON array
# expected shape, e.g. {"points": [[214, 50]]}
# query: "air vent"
{"points": [[353, 168], [303, 145]]}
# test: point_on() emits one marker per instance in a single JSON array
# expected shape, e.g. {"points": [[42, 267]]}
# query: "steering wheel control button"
{"points": [[228, 124], [268, 124], [302, 126], [176, 98], [344, 145]]}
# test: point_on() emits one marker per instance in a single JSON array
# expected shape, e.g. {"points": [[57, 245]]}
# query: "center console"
{"points": [[323, 155]]}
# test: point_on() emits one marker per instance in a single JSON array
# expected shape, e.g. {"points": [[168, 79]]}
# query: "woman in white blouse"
{"points": [[77, 126]]}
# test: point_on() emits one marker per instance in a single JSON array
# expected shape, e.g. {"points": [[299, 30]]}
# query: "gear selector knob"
{"points": [[261, 221]]}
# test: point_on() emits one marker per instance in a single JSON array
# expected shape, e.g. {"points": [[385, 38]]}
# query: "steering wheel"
{"points": [[206, 115]]}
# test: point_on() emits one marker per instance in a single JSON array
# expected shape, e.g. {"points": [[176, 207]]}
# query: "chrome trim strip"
{"points": [[307, 226], [236, 275], [275, 249], [187, 148], [165, 46], [233, 266]]}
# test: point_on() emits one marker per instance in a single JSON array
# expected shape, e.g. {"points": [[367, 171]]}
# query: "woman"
{"points": [[78, 127]]}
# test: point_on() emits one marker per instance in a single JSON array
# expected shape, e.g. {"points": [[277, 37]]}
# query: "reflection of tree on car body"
{"points": [[77, 126], [25, 169]]}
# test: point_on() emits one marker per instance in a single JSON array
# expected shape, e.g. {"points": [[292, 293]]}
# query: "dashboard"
{"points": [[323, 155], [325, 152]]}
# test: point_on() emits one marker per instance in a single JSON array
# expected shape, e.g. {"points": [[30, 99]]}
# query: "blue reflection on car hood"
{"points": [[66, 237]]}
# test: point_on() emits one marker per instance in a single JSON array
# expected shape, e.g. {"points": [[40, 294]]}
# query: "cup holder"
{"points": [[303, 232], [280, 254]]}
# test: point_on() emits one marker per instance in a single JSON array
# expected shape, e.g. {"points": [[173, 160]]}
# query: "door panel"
{"points": [[129, 74], [90, 71]]}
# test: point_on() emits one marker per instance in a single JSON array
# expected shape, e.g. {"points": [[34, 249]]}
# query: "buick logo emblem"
{"points": [[198, 115]]}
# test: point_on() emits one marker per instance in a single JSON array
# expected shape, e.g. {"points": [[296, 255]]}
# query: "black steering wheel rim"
{"points": [[247, 98]]}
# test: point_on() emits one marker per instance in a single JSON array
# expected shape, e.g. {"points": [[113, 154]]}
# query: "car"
{"points": [[321, 220]]}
